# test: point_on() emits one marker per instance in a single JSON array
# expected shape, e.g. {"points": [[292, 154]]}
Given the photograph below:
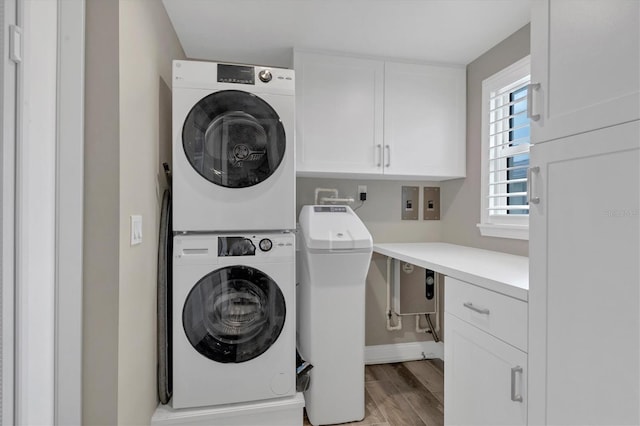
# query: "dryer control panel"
{"points": [[217, 76]]}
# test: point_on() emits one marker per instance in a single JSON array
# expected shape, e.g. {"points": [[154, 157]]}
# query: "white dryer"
{"points": [[233, 318], [233, 147]]}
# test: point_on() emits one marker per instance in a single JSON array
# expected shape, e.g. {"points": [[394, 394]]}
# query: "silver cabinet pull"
{"points": [[387, 155], [532, 198], [532, 101], [379, 150], [514, 396], [469, 305]]}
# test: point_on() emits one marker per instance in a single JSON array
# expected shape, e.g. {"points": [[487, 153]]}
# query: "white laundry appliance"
{"points": [[233, 147], [334, 258], [233, 318]]}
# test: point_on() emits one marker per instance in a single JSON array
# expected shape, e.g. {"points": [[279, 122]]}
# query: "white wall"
{"points": [[148, 45]]}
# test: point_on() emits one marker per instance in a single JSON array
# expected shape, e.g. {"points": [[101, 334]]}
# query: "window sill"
{"points": [[516, 232]]}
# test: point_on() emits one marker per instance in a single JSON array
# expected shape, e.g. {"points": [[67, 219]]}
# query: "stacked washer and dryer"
{"points": [[233, 312]]}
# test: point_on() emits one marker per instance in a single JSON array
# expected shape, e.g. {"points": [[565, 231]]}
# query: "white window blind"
{"points": [[505, 152], [508, 149]]}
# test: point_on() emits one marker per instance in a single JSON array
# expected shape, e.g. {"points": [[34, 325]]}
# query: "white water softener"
{"points": [[334, 256]]}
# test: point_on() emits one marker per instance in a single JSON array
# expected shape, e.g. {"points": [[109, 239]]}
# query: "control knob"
{"points": [[265, 244], [265, 76]]}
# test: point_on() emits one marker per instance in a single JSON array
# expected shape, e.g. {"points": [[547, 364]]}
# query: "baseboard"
{"points": [[400, 352]]}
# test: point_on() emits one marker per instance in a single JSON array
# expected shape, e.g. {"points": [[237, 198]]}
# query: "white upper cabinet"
{"points": [[424, 120], [585, 55], [338, 114], [370, 118]]}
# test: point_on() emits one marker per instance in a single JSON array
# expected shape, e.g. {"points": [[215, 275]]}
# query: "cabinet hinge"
{"points": [[15, 43]]}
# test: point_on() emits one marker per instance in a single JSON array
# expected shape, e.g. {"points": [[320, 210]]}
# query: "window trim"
{"points": [[514, 227]]}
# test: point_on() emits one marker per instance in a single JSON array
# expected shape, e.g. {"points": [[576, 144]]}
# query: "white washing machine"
{"points": [[233, 318], [233, 147]]}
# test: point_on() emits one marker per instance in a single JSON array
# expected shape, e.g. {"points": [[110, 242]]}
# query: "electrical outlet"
{"points": [[362, 192]]}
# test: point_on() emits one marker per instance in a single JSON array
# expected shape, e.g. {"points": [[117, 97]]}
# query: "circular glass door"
{"points": [[233, 139], [234, 314]]}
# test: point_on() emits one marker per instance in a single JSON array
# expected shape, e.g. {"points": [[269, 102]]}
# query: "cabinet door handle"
{"points": [[532, 198], [514, 371], [469, 305], [532, 102], [379, 152], [387, 155]]}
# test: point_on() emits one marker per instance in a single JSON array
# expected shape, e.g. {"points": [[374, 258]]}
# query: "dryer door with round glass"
{"points": [[234, 314], [233, 139]]}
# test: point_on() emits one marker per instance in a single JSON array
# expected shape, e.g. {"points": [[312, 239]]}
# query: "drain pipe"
{"points": [[391, 327], [420, 329]]}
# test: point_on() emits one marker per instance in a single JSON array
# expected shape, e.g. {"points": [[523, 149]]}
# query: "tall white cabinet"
{"points": [[360, 117], [584, 289]]}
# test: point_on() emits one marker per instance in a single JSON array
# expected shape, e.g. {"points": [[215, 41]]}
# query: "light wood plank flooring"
{"points": [[403, 394]]}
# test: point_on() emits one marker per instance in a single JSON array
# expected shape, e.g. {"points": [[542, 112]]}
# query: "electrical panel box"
{"points": [[431, 199], [415, 289], [410, 202]]}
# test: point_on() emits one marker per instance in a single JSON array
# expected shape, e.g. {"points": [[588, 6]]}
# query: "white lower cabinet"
{"points": [[485, 377]]}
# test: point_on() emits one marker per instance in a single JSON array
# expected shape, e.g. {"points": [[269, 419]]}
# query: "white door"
{"points": [[586, 57], [339, 114], [48, 50], [584, 289], [485, 378], [424, 120]]}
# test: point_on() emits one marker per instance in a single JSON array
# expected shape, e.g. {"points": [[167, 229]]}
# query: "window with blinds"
{"points": [[505, 152]]}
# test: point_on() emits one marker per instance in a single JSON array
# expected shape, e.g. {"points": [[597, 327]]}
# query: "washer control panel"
{"points": [[255, 245]]}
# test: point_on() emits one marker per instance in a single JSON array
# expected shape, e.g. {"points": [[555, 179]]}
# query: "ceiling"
{"points": [[265, 31]]}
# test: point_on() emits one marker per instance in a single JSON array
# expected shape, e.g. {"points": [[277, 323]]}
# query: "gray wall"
{"points": [[461, 197], [101, 215], [127, 137], [146, 53]]}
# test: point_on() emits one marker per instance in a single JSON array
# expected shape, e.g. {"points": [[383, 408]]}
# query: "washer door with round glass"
{"points": [[233, 139], [234, 314]]}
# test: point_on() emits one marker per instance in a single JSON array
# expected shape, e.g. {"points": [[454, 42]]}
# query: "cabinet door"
{"points": [[484, 378], [585, 55], [338, 114], [424, 120], [584, 296]]}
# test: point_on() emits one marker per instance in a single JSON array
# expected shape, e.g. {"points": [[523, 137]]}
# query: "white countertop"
{"points": [[500, 272]]}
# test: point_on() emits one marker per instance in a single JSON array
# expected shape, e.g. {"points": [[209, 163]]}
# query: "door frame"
{"points": [[69, 212], [48, 377]]}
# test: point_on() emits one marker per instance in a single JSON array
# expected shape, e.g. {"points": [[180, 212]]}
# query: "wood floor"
{"points": [[403, 394]]}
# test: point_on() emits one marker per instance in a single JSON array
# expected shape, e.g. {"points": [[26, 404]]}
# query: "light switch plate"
{"points": [[410, 202], [431, 206], [136, 230]]}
